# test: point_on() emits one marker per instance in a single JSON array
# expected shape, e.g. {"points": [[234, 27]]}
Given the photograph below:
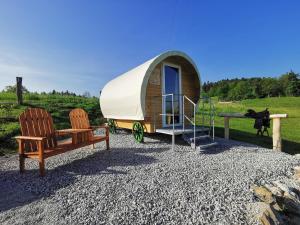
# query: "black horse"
{"points": [[262, 120]]}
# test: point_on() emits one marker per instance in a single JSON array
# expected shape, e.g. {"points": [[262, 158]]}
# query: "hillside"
{"points": [[58, 105], [242, 129]]}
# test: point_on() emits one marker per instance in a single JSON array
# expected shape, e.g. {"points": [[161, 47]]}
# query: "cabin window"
{"points": [[172, 85]]}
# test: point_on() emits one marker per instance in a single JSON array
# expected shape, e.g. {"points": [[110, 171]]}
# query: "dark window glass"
{"points": [[172, 87]]}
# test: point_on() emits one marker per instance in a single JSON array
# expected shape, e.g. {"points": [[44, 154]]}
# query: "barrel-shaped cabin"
{"points": [[150, 96]]}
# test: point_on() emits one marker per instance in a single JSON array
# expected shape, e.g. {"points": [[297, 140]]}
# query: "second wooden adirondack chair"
{"points": [[79, 120]]}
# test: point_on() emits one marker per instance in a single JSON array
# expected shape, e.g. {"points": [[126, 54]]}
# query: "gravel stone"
{"points": [[145, 183]]}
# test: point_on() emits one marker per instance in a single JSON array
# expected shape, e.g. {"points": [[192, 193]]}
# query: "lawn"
{"points": [[242, 129], [58, 105]]}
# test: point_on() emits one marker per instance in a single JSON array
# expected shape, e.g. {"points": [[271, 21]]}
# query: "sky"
{"points": [[80, 45]]}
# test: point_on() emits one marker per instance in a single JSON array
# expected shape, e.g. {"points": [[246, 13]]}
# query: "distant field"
{"points": [[58, 105], [242, 129]]}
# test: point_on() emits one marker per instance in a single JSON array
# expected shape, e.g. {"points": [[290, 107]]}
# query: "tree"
{"points": [[290, 83], [86, 94], [13, 88]]}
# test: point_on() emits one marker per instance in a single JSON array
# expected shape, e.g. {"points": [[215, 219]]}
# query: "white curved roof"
{"points": [[124, 96]]}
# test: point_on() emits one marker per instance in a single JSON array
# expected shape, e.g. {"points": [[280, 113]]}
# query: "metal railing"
{"points": [[163, 110], [197, 109], [209, 112], [189, 119], [168, 114]]}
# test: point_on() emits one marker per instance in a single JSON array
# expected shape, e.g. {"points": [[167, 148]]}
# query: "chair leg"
{"points": [[22, 163], [93, 146], [42, 167]]}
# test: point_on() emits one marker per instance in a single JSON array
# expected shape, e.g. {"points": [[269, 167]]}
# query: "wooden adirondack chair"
{"points": [[38, 140], [79, 120]]}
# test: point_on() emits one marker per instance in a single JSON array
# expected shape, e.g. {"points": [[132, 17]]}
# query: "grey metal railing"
{"points": [[191, 118], [168, 114], [192, 121]]}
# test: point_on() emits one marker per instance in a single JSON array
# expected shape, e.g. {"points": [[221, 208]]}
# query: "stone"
{"points": [[291, 204], [274, 190], [255, 211], [263, 194], [272, 217], [297, 173], [289, 187], [297, 169], [296, 177]]}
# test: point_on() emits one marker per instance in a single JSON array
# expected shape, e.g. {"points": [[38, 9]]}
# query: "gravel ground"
{"points": [[140, 184]]}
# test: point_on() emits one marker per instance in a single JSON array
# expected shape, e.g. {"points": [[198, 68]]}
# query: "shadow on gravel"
{"points": [[289, 147], [166, 139], [21, 189]]}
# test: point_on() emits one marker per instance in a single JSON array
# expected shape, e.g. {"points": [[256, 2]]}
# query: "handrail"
{"points": [[189, 119], [184, 116], [189, 100], [170, 114], [209, 113]]}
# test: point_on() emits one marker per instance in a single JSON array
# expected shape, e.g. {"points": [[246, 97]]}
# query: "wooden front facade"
{"points": [[190, 87]]}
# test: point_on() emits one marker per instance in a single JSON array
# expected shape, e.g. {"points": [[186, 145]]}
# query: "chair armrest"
{"points": [[62, 132], [30, 138], [40, 140], [97, 127]]}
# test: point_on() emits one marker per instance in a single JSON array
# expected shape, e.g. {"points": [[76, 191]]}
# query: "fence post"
{"points": [[226, 127], [276, 131], [19, 91]]}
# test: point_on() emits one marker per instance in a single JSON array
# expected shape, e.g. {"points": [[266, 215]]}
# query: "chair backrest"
{"points": [[79, 119], [36, 122]]}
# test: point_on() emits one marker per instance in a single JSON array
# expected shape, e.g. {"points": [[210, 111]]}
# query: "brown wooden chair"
{"points": [[39, 138], [79, 120]]}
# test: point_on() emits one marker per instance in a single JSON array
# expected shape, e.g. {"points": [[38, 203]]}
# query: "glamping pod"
{"points": [[150, 96]]}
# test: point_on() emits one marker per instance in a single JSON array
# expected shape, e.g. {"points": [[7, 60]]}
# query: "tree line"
{"points": [[13, 89], [287, 84]]}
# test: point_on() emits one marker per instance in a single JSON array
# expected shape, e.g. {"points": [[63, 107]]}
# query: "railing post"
{"points": [[194, 126], [183, 116], [202, 113], [173, 136], [213, 121], [210, 117]]}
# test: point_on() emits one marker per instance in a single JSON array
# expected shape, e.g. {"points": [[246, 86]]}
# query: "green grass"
{"points": [[58, 105], [242, 129]]}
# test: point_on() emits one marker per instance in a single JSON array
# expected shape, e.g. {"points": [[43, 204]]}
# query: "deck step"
{"points": [[205, 146], [201, 142], [200, 137]]}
